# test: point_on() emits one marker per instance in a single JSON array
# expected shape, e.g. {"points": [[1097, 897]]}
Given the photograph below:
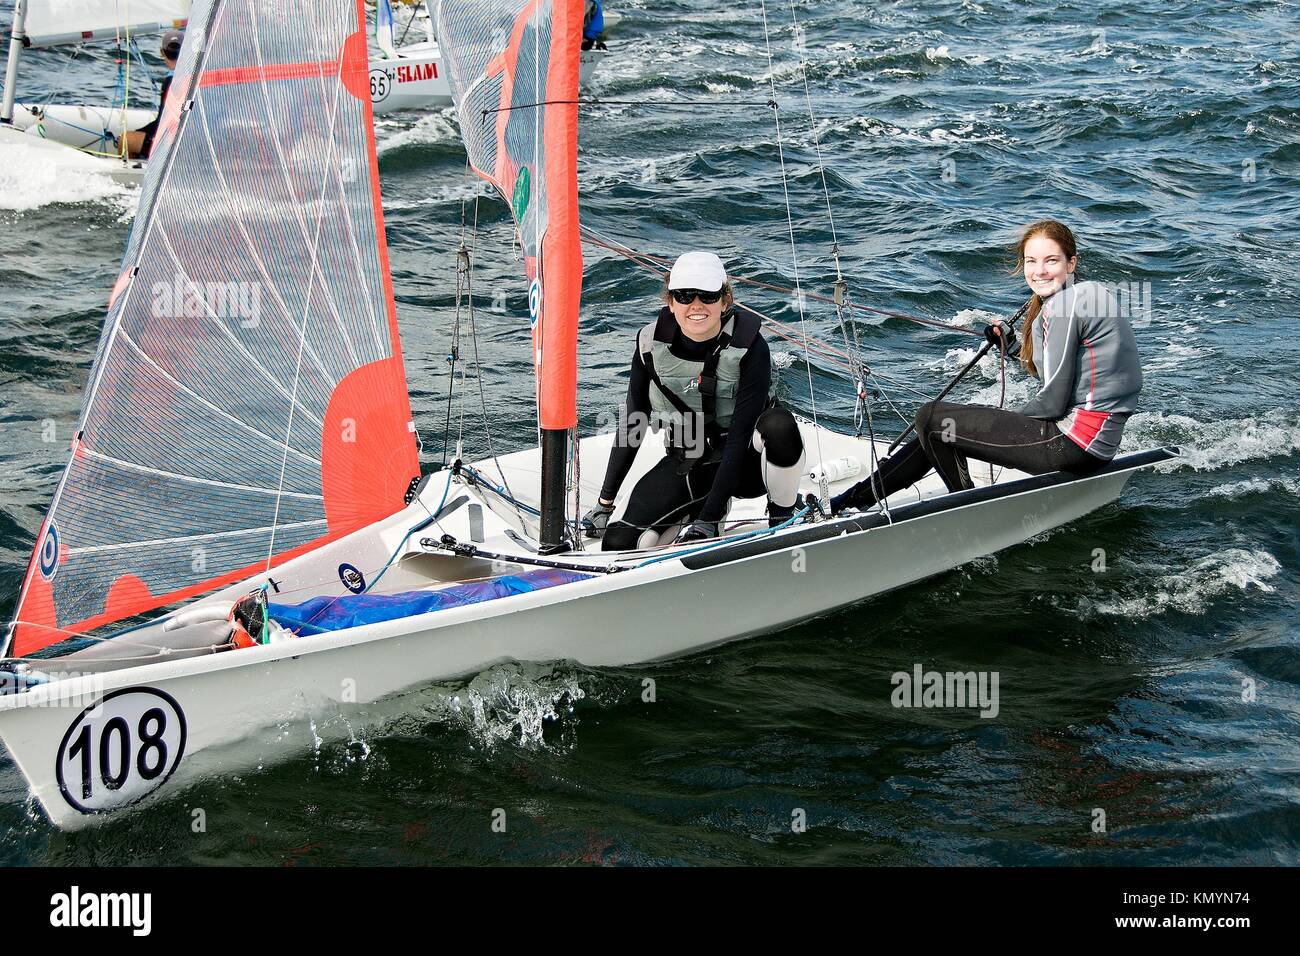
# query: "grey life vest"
{"points": [[696, 398]]}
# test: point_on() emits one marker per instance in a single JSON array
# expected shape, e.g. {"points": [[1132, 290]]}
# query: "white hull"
{"points": [[58, 159], [646, 613], [416, 79]]}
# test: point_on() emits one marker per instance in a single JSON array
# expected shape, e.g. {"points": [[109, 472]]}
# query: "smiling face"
{"points": [[1046, 265], [698, 322]]}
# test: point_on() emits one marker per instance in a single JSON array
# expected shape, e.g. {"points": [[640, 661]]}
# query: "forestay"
{"points": [[247, 401]]}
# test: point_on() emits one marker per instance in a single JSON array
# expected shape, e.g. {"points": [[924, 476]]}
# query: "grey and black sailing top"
{"points": [[1086, 353], [746, 397]]}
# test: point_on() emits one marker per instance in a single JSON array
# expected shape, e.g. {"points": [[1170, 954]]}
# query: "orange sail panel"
{"points": [[513, 69], [248, 402]]}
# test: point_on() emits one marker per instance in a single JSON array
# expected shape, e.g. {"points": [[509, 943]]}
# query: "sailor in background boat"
{"points": [[1082, 347], [593, 25], [702, 370], [139, 143]]}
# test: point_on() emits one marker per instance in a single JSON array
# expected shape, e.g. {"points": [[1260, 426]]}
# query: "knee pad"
{"points": [[777, 435]]}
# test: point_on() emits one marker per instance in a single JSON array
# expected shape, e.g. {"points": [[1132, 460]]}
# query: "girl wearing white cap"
{"points": [[701, 370]]}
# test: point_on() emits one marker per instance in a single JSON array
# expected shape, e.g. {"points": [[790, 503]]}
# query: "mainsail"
{"points": [[384, 29], [247, 401], [56, 22], [514, 79]]}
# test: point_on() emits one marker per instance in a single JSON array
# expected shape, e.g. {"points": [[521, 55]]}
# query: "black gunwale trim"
{"points": [[921, 509]]}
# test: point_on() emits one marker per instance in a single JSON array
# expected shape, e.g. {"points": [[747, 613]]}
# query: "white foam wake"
{"points": [[436, 127], [28, 180], [1208, 446], [512, 703], [1192, 590]]}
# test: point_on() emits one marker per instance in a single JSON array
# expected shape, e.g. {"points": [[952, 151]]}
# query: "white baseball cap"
{"points": [[697, 270]]}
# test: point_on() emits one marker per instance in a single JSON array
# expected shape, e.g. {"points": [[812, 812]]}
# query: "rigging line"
{"points": [[461, 401], [596, 101], [875, 459], [812, 125], [454, 350], [306, 313], [789, 219], [829, 353], [404, 32], [96, 638], [858, 369], [452, 355], [596, 239], [478, 374]]}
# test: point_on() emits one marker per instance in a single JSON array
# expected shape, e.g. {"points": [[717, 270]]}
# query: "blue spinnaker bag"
{"points": [[332, 613]]}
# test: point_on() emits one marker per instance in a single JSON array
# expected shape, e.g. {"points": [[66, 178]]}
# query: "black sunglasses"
{"points": [[687, 296]]}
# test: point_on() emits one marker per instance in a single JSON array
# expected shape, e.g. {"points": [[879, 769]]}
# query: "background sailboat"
{"points": [[84, 137], [414, 75]]}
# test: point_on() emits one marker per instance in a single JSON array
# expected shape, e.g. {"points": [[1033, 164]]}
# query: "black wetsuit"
{"points": [[152, 129], [948, 433], [664, 496]]}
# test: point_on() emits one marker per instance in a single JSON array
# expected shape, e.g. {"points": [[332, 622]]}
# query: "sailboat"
{"points": [[413, 76], [83, 137], [241, 539], [86, 138]]}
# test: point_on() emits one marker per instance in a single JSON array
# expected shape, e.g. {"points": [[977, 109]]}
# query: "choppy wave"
{"points": [[1256, 486], [434, 127], [1192, 590], [1209, 446]]}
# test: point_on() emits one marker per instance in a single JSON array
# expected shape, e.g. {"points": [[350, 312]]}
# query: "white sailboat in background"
{"points": [[86, 138], [265, 456], [413, 76], [83, 138]]}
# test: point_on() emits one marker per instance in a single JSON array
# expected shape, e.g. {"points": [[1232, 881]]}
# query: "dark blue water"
{"points": [[1166, 134]]}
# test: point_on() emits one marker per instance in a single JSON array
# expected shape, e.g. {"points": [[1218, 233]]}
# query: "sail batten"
{"points": [[247, 402]]}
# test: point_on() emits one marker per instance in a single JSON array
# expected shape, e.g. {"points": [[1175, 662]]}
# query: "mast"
{"points": [[513, 69], [16, 42], [555, 445]]}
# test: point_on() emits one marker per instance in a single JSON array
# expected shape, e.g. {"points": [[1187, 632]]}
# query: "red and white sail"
{"points": [[248, 401], [514, 67]]}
